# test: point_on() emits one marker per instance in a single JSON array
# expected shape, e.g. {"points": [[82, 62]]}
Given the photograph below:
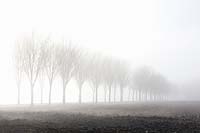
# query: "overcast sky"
{"points": [[163, 34]]}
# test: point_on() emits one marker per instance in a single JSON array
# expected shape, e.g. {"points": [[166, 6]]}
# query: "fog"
{"points": [[162, 34]]}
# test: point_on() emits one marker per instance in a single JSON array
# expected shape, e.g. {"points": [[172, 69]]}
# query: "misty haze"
{"points": [[100, 66]]}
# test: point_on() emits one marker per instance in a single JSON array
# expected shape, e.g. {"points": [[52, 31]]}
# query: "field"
{"points": [[151, 117]]}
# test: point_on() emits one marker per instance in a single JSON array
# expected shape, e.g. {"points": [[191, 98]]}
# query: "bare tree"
{"points": [[105, 91], [32, 60], [66, 60], [129, 93], [104, 79], [51, 65], [18, 57], [43, 55], [81, 70], [95, 74], [150, 83], [41, 83], [34, 57], [132, 85], [142, 80], [115, 77], [159, 85], [122, 76], [109, 75]]}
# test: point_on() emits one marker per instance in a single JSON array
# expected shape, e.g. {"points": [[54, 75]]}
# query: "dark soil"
{"points": [[134, 118]]}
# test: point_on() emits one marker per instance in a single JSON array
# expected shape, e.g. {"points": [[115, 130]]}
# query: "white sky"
{"points": [[160, 33]]}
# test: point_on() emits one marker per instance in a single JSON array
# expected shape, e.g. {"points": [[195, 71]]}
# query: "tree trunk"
{"points": [[151, 96], [50, 87], [105, 92], [80, 94], [121, 94], [109, 93], [63, 94], [18, 101], [133, 96], [145, 96], [41, 97], [139, 93], [64, 91], [93, 93], [114, 93], [31, 94], [96, 95], [129, 93]]}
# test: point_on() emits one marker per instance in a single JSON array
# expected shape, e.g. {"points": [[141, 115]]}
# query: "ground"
{"points": [[151, 117]]}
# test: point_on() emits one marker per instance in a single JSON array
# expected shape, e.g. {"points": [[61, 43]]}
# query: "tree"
{"points": [[81, 70], [95, 74], [160, 85], [18, 67], [44, 58], [35, 58], [115, 77], [105, 91], [109, 75], [51, 64], [41, 83], [32, 60], [66, 60], [151, 83], [122, 76], [141, 79], [132, 86]]}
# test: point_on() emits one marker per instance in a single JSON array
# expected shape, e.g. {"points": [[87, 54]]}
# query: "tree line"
{"points": [[40, 59]]}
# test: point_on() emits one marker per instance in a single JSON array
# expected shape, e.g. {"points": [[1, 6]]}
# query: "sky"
{"points": [[163, 34]]}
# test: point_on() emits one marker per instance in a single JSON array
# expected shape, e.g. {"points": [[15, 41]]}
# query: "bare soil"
{"points": [[151, 117]]}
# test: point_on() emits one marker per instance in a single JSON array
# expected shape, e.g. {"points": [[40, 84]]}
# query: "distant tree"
{"points": [[115, 90], [95, 75], [18, 57], [131, 86], [130, 89], [141, 79], [108, 73], [41, 77], [81, 70], [150, 83], [66, 60], [38, 59], [51, 64], [122, 76], [32, 60], [105, 87], [160, 85], [41, 83], [115, 77]]}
